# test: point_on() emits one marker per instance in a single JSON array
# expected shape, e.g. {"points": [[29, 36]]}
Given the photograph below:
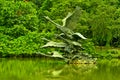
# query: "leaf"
{"points": [[79, 35], [70, 42], [65, 30], [54, 44], [57, 54], [53, 54], [70, 21], [76, 43], [64, 20]]}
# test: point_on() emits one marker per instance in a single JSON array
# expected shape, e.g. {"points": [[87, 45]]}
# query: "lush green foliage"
{"points": [[22, 22], [18, 13], [96, 15], [27, 44]]}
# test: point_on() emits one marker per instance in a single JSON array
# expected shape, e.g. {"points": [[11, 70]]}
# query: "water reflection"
{"points": [[71, 72], [45, 69]]}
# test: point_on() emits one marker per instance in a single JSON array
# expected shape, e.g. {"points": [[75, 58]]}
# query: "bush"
{"points": [[18, 13], [116, 36], [14, 32], [29, 43]]}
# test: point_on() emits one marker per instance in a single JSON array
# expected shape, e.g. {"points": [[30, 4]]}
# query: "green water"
{"points": [[46, 69]]}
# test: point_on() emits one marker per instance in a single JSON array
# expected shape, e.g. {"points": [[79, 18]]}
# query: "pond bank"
{"points": [[101, 52], [107, 52]]}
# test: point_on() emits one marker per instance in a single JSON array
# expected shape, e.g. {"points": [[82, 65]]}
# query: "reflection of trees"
{"points": [[103, 70], [71, 71], [108, 69], [39, 69]]}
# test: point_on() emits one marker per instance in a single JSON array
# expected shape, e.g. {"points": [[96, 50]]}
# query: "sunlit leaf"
{"points": [[55, 44], [79, 35], [57, 54]]}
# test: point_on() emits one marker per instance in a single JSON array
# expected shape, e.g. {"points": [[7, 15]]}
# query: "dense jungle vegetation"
{"points": [[23, 26]]}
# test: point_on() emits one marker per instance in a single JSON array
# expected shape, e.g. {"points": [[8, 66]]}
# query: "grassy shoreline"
{"points": [[100, 52], [107, 52]]}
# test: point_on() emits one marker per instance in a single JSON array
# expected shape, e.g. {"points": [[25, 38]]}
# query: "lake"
{"points": [[47, 69]]}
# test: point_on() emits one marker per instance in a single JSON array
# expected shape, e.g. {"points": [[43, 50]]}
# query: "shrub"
{"points": [[17, 13]]}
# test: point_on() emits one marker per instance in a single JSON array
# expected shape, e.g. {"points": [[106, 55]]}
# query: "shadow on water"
{"points": [[47, 69]]}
